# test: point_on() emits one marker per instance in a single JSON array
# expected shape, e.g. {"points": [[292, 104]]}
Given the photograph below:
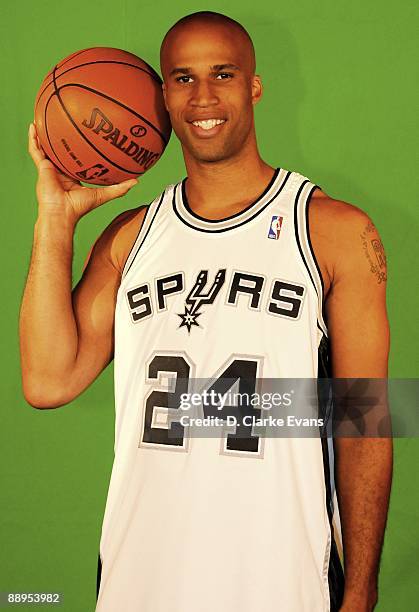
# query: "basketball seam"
{"points": [[57, 93], [116, 102], [64, 61], [155, 77], [71, 57], [153, 74], [63, 168]]}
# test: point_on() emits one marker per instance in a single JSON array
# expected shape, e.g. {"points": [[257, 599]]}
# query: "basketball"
{"points": [[100, 116]]}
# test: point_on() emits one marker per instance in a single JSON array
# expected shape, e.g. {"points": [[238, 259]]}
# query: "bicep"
{"points": [[356, 305]]}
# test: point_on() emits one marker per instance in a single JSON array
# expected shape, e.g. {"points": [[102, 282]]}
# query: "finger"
{"points": [[35, 151], [105, 194], [39, 143], [37, 138], [34, 137], [46, 169]]}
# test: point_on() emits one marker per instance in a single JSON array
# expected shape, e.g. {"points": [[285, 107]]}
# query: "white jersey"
{"points": [[226, 523]]}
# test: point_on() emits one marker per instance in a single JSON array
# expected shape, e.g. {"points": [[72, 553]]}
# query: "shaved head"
{"points": [[210, 86], [209, 20]]}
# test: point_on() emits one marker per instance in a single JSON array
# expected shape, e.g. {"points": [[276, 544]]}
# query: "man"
{"points": [[231, 274]]}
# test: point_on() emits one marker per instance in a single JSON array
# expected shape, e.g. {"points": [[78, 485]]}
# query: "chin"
{"points": [[209, 154], [211, 158]]}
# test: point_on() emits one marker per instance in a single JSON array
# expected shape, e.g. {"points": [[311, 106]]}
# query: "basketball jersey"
{"points": [[222, 523]]}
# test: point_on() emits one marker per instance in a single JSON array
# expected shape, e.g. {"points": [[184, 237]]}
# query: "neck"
{"points": [[219, 189]]}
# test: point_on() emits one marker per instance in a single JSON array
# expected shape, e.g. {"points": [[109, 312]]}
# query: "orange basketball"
{"points": [[100, 116]]}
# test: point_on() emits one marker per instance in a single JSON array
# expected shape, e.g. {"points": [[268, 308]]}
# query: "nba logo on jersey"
{"points": [[275, 227]]}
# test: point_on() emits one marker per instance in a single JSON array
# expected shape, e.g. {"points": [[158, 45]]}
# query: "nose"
{"points": [[203, 94]]}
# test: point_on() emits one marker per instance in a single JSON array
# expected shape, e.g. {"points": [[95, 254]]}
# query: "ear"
{"points": [[165, 96], [257, 89]]}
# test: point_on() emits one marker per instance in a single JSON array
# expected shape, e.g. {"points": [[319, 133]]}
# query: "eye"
{"points": [[184, 79], [224, 75]]}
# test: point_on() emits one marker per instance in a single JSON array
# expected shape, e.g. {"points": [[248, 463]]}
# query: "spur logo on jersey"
{"points": [[274, 297], [198, 297], [275, 227]]}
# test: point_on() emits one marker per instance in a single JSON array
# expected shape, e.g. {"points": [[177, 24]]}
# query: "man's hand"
{"points": [[57, 192]]}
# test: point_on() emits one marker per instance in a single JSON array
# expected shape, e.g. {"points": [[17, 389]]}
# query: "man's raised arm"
{"points": [[66, 341]]}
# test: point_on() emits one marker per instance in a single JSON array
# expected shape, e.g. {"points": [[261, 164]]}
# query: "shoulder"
{"points": [[115, 242], [338, 214], [343, 236]]}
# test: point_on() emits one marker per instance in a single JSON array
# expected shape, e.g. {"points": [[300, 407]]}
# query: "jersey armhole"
{"points": [[305, 247], [149, 217]]}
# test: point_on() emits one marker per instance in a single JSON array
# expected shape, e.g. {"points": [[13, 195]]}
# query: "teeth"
{"points": [[208, 124]]}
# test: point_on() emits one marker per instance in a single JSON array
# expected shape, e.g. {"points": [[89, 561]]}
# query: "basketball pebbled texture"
{"points": [[100, 116]]}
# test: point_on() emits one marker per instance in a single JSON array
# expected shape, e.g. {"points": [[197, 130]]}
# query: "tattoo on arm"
{"points": [[374, 253]]}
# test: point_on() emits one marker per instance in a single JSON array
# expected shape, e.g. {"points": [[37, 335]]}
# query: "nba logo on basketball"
{"points": [[275, 227]]}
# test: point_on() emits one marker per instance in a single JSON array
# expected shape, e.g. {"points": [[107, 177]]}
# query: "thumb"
{"points": [[105, 194]]}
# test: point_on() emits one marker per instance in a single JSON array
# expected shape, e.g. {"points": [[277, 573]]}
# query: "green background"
{"points": [[338, 107]]}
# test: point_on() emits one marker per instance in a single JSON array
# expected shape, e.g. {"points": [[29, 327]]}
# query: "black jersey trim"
{"points": [[146, 233], [316, 263], [335, 575], [215, 221], [300, 248], [297, 234], [237, 215], [98, 575], [336, 579]]}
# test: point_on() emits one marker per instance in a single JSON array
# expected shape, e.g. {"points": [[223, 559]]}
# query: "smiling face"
{"points": [[210, 89]]}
